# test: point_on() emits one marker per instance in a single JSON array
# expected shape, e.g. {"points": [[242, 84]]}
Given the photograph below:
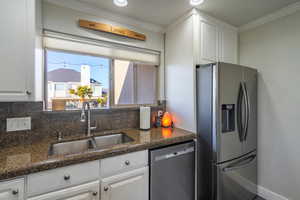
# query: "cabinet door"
{"points": [[208, 42], [12, 190], [89, 191], [132, 185], [16, 52], [228, 45]]}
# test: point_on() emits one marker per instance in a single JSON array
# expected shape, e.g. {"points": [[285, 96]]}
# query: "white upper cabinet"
{"points": [[218, 41], [208, 42], [17, 39], [228, 41]]}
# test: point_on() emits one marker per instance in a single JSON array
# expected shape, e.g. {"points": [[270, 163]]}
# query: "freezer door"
{"points": [[250, 136], [237, 180], [228, 80]]}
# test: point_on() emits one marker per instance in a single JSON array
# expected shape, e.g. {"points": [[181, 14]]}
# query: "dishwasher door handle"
{"points": [[174, 154]]}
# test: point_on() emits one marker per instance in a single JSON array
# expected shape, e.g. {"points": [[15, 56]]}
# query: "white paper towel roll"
{"points": [[145, 118]]}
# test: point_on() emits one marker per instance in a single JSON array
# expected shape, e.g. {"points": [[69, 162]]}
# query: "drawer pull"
{"points": [[67, 177], [95, 193], [127, 162], [15, 192], [105, 189]]}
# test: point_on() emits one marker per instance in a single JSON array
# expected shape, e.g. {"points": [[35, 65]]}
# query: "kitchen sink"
{"points": [[71, 147], [107, 141], [83, 145]]}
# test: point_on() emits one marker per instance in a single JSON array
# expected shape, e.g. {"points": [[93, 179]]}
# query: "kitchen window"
{"points": [[113, 75], [113, 82]]}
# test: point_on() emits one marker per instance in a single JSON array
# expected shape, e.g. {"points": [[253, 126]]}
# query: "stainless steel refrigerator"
{"points": [[227, 132]]}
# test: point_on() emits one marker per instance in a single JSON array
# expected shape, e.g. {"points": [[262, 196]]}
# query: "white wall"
{"points": [[62, 19], [274, 49], [180, 74]]}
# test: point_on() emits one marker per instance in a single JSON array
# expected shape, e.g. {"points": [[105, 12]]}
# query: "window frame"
{"points": [[111, 93]]}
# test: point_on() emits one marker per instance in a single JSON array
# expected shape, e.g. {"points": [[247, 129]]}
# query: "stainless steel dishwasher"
{"points": [[172, 172]]}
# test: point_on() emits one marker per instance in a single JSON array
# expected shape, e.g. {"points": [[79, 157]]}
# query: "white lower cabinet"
{"points": [[133, 185], [124, 177], [12, 190], [88, 191]]}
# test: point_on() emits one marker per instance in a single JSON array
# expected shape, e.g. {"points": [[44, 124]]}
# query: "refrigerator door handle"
{"points": [[239, 113], [247, 102], [240, 164], [247, 110]]}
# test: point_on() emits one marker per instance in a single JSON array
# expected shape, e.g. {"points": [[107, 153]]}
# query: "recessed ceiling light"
{"points": [[121, 3], [196, 2]]}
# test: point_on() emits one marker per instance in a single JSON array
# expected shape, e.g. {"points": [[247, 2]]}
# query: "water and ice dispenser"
{"points": [[228, 118]]}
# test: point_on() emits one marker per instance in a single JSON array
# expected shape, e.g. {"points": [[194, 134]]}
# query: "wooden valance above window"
{"points": [[111, 29]]}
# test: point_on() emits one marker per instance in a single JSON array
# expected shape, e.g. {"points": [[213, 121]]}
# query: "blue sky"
{"points": [[99, 66]]}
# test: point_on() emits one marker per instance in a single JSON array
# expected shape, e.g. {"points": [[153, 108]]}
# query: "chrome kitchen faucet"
{"points": [[87, 118]]}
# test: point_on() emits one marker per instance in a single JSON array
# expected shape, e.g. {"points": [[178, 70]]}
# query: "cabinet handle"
{"points": [[67, 177], [127, 162], [15, 192], [28, 92], [95, 193], [105, 189]]}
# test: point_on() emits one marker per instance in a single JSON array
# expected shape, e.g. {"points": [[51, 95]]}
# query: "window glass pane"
{"points": [[134, 83], [123, 82], [66, 71], [146, 83]]}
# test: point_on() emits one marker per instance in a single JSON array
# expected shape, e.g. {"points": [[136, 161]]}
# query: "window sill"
{"points": [[108, 109]]}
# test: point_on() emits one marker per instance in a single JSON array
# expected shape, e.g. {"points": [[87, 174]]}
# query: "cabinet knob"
{"points": [[95, 193], [28, 92], [15, 192], [105, 189], [67, 177], [127, 162]]}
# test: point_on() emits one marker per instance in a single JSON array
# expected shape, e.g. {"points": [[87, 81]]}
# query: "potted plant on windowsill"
{"points": [[83, 92], [102, 101]]}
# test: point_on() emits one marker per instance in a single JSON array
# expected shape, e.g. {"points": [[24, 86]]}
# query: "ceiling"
{"points": [[164, 12]]}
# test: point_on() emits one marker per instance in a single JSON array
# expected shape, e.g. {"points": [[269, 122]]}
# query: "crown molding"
{"points": [[83, 7], [202, 15], [288, 10], [181, 19]]}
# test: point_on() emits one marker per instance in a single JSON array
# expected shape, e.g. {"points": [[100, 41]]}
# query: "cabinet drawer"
{"points": [[87, 191], [60, 178], [123, 163], [12, 190]]}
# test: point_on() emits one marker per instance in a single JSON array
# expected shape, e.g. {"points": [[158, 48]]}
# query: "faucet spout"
{"points": [[86, 118]]}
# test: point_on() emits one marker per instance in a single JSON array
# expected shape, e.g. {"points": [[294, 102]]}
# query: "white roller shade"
{"points": [[64, 42]]}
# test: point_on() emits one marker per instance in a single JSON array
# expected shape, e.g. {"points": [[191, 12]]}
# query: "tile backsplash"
{"points": [[49, 123]]}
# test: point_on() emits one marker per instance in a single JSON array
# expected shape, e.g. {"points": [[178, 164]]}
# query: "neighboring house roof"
{"points": [[67, 75], [64, 75]]}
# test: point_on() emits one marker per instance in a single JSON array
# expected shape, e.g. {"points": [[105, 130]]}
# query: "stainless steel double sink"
{"points": [[93, 143]]}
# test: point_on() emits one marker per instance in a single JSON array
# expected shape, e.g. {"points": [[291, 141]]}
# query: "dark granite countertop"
{"points": [[33, 157]]}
